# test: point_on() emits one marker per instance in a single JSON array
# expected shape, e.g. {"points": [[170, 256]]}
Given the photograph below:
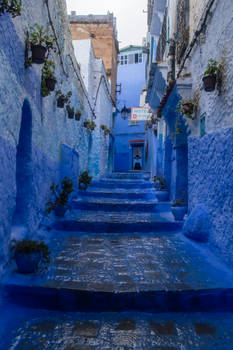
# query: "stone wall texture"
{"points": [[215, 44], [31, 151], [210, 172]]}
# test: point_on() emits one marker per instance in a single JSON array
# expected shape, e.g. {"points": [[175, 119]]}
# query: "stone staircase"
{"points": [[120, 250]]}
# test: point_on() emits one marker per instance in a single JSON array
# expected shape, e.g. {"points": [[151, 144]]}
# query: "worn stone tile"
{"points": [[126, 325], [85, 329], [43, 327], [166, 328], [79, 347], [204, 329]]}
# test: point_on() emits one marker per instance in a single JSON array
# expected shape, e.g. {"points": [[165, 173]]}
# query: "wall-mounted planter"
{"points": [[51, 83], [209, 82], [61, 102], [38, 54], [78, 116]]}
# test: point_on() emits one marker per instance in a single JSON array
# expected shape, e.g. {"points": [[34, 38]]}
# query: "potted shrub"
{"points": [[62, 98], [84, 180], [78, 114], [70, 111], [161, 191], [210, 75], [13, 7], [187, 108], [40, 43], [89, 125], [179, 209], [105, 129], [28, 254], [48, 80], [60, 197]]}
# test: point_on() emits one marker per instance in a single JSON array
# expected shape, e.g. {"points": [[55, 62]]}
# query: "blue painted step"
{"points": [[114, 206], [66, 299], [116, 227], [101, 184], [130, 175], [121, 194]]}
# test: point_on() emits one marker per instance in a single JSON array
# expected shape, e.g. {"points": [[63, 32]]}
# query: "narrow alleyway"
{"points": [[122, 276]]}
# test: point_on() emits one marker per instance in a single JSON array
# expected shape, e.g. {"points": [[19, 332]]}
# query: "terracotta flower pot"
{"points": [[162, 195], [51, 83], [38, 54], [209, 82]]}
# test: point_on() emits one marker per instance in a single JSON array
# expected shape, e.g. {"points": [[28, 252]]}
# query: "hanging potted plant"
{"points": [[161, 190], [28, 254], [70, 111], [78, 114], [13, 7], [48, 80], [89, 125], [62, 98], [210, 75], [60, 197], [187, 107], [40, 43], [105, 129], [84, 180], [179, 209]]}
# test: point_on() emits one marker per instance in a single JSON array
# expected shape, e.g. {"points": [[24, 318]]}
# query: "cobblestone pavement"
{"points": [[123, 331], [115, 263]]}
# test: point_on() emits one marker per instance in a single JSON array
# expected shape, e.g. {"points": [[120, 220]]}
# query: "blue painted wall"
{"points": [[132, 79]]}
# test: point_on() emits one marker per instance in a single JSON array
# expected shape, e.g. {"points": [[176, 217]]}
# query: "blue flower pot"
{"points": [[162, 195], [27, 262], [179, 213], [60, 211]]}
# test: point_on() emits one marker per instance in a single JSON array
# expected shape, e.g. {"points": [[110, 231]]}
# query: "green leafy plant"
{"points": [[60, 196], [105, 129], [161, 181], [84, 180], [28, 246], [212, 68], [47, 75], [63, 98], [13, 7], [89, 125], [187, 107], [38, 36]]}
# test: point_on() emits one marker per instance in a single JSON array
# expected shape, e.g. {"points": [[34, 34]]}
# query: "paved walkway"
{"points": [[122, 261]]}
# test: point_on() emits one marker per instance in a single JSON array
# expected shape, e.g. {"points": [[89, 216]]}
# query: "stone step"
{"points": [[126, 184], [114, 206], [84, 300], [153, 273], [31, 329], [130, 175], [148, 194], [116, 227]]}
